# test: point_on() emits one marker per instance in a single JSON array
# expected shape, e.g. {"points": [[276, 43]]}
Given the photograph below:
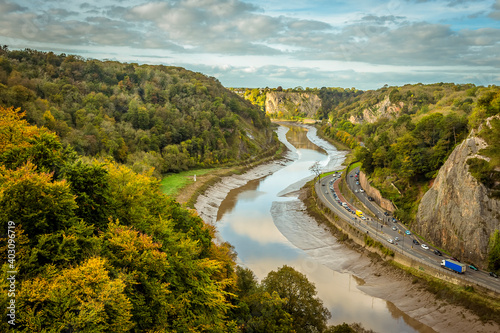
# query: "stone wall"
{"points": [[375, 194]]}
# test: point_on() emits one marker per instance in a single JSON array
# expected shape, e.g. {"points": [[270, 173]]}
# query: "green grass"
{"points": [[328, 173], [354, 165], [171, 184]]}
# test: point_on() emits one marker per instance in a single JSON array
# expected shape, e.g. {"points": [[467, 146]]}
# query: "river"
{"points": [[268, 227]]}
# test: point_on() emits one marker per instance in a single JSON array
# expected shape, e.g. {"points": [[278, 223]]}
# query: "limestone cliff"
{"points": [[292, 103], [383, 109], [456, 213]]}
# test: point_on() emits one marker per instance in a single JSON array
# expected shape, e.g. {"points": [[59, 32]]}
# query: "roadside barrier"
{"points": [[401, 256]]}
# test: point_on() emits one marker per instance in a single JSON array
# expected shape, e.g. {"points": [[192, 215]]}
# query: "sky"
{"points": [[364, 44]]}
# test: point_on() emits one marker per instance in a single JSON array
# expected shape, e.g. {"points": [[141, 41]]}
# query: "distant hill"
{"points": [[434, 151], [404, 137], [298, 102], [144, 116]]}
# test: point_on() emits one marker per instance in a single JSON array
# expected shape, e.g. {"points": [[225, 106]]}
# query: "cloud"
{"points": [[495, 14], [227, 34], [9, 7]]}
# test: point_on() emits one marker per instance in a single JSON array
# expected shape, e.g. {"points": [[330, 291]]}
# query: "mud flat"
{"points": [[418, 307]]}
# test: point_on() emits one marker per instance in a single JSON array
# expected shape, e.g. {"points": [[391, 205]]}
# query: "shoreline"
{"points": [[379, 278]]}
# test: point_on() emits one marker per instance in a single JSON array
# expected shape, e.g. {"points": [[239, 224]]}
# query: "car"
{"points": [[370, 199], [355, 191], [425, 247], [408, 232], [390, 241], [386, 214], [494, 275], [361, 190], [438, 253], [357, 183], [396, 238], [473, 267], [394, 228], [350, 176], [416, 242]]}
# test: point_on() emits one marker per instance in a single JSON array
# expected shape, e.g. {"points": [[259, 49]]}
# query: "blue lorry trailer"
{"points": [[454, 266]]}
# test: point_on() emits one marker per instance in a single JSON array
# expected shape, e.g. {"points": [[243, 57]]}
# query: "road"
{"points": [[381, 226]]}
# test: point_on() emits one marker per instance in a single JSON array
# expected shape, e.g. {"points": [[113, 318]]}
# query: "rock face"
{"points": [[383, 109], [456, 213], [375, 193], [292, 103]]}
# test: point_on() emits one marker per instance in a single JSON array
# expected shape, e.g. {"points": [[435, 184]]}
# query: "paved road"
{"points": [[381, 226]]}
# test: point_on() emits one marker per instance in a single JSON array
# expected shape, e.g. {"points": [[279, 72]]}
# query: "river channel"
{"points": [[268, 227]]}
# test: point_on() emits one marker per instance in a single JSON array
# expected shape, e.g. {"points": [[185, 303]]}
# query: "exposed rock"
{"points": [[383, 109], [375, 193], [456, 213], [292, 103]]}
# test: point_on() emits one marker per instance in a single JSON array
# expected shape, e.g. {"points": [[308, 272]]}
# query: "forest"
{"points": [[402, 151], [90, 243], [143, 116], [97, 247]]}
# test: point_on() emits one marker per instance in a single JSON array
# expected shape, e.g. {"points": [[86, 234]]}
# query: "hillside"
{"points": [[404, 135], [143, 116], [459, 213], [96, 247], [298, 102]]}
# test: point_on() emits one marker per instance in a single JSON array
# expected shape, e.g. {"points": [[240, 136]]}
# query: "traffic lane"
{"points": [[406, 245], [362, 196], [384, 226], [338, 208], [427, 255]]}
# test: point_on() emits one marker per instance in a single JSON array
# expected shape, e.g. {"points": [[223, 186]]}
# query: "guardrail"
{"points": [[399, 251]]}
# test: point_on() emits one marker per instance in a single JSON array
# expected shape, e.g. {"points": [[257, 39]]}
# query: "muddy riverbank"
{"points": [[407, 300]]}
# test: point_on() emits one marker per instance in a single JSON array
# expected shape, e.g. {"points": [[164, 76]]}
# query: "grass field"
{"points": [[173, 183]]}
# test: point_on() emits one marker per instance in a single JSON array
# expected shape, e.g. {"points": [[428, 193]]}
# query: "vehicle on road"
{"points": [[425, 247], [408, 232], [370, 199], [438, 253], [473, 267], [359, 213], [394, 228], [416, 242], [390, 241], [396, 238], [494, 275], [454, 266], [361, 190]]}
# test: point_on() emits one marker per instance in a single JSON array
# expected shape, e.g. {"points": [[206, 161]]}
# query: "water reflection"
{"points": [[257, 222]]}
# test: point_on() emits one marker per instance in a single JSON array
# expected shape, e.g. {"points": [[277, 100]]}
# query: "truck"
{"points": [[359, 213], [453, 265]]}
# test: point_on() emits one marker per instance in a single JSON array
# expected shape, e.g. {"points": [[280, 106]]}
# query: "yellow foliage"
{"points": [[14, 130], [83, 298]]}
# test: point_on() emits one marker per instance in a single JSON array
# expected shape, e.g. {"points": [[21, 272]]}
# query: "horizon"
{"points": [[267, 44]]}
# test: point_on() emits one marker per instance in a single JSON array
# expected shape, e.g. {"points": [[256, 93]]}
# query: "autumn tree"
{"points": [[301, 302]]}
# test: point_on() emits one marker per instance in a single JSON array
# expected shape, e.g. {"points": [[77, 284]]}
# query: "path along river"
{"points": [[268, 227]]}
